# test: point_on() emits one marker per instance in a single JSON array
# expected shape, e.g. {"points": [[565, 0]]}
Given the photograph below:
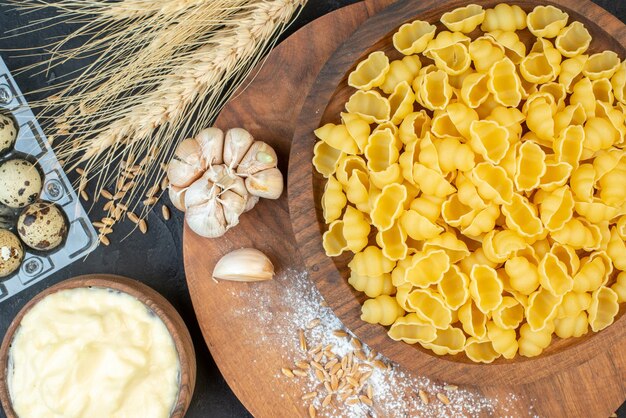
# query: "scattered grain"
{"points": [[106, 194], [104, 240], [153, 190], [164, 184], [340, 333], [317, 365], [287, 372], [423, 397], [128, 186], [150, 201], [443, 398], [356, 344], [308, 396], [327, 400], [451, 387], [108, 221], [366, 400], [105, 230], [143, 226], [108, 206], [122, 207], [320, 375], [312, 411], [84, 195], [313, 323], [98, 224], [119, 195], [300, 373], [80, 171], [133, 218], [303, 365], [316, 349], [352, 401], [165, 211]]}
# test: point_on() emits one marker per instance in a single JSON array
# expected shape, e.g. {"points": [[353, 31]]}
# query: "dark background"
{"points": [[156, 258]]}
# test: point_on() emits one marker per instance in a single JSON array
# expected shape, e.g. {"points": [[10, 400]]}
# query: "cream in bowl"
{"points": [[93, 352]]}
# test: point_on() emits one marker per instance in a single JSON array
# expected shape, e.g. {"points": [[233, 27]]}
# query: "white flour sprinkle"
{"points": [[395, 390]]}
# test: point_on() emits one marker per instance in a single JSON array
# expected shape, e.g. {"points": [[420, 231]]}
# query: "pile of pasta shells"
{"points": [[479, 182]]}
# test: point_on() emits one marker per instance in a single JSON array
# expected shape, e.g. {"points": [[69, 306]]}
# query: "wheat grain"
{"points": [[424, 397], [287, 372], [443, 398], [165, 211]]}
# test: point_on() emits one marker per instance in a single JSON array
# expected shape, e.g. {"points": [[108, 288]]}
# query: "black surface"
{"points": [[156, 258]]}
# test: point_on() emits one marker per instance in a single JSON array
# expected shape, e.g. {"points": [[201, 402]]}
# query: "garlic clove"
{"points": [[187, 165], [177, 197], [201, 191], [207, 219], [251, 203], [244, 265], [236, 144], [259, 157], [211, 142], [233, 205], [267, 183]]}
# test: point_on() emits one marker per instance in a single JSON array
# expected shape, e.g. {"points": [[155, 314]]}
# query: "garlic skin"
{"points": [[244, 265], [226, 179], [233, 206], [259, 157], [187, 165], [177, 197], [207, 219], [251, 203], [211, 142], [236, 144], [267, 184]]}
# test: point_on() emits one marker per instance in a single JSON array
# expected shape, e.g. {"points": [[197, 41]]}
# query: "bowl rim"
{"points": [[306, 227], [143, 293]]}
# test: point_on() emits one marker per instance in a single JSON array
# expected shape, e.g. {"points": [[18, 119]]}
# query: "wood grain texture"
{"points": [[329, 94], [149, 297]]}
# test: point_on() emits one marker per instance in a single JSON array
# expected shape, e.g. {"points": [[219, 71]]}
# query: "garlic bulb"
{"points": [[221, 176], [187, 165], [267, 183], [236, 144], [244, 265]]}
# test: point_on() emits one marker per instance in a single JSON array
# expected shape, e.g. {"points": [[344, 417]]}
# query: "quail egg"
{"points": [[11, 253], [20, 183], [8, 133], [42, 226]]}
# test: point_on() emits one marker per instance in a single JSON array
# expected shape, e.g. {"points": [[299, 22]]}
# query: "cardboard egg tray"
{"points": [[33, 145]]}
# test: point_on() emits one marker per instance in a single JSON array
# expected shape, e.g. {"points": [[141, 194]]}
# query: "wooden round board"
{"points": [[244, 324], [331, 92]]}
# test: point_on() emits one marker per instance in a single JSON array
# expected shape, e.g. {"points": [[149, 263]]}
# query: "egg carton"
{"points": [[31, 141]]}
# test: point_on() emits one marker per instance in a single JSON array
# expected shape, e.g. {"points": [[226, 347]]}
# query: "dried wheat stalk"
{"points": [[164, 69]]}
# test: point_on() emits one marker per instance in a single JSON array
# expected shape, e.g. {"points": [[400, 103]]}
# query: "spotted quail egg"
{"points": [[11, 253], [42, 226], [8, 133], [20, 183]]}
